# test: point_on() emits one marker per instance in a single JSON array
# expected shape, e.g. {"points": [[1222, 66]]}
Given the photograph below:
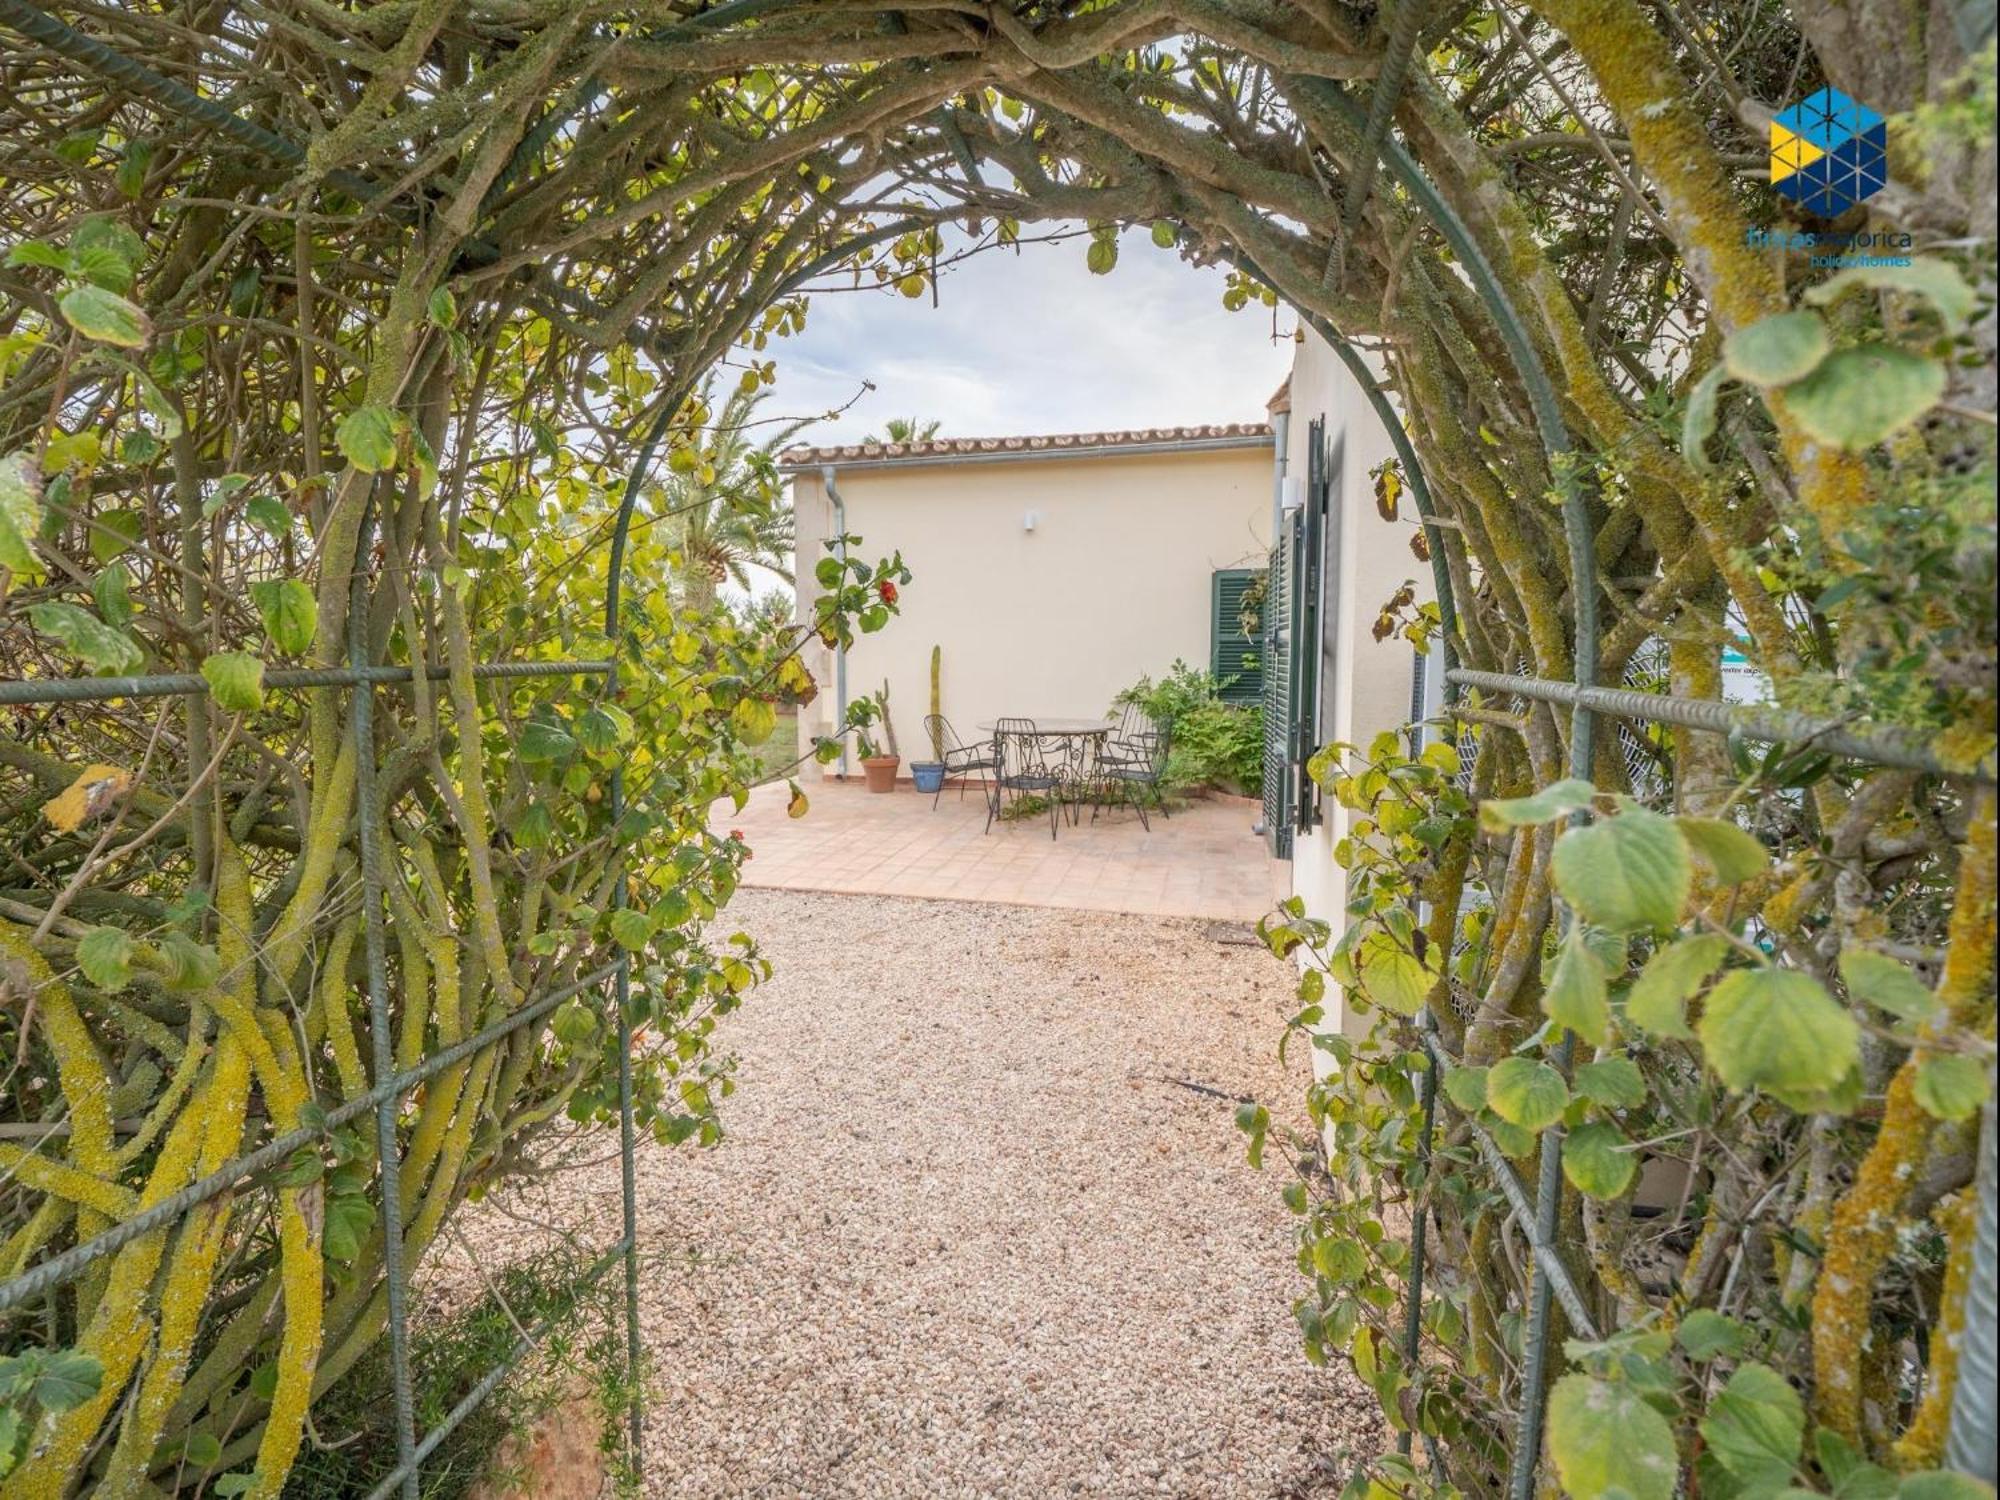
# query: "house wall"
{"points": [[1365, 684], [1112, 584]]}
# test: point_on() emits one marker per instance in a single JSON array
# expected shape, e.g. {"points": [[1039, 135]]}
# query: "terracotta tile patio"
{"points": [[1202, 862]]}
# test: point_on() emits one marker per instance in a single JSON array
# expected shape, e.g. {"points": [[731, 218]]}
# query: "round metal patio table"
{"points": [[1079, 740], [1062, 728]]}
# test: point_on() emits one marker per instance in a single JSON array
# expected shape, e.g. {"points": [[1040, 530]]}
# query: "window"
{"points": [[1236, 633], [1299, 646]]}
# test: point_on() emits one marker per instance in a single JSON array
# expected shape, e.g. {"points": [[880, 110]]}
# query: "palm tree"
{"points": [[724, 504], [906, 430]]}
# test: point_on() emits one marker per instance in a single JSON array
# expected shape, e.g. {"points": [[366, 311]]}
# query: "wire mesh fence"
{"points": [[392, 1084]]}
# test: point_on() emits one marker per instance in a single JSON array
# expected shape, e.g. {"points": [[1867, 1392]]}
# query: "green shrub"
{"points": [[1216, 745], [353, 1442]]}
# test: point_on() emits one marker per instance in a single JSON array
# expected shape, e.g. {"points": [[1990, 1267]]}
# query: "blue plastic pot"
{"points": [[927, 774]]}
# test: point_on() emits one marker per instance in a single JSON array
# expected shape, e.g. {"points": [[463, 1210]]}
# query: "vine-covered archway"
{"points": [[349, 341]]}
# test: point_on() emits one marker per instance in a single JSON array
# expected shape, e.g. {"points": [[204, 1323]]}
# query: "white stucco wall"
{"points": [[1112, 583], [1365, 685]]}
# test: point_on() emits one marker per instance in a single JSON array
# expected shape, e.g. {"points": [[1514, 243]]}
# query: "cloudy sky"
{"points": [[1034, 343]]}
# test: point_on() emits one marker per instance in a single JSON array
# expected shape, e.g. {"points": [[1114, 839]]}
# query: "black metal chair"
{"points": [[960, 759], [1022, 770], [1133, 782], [1131, 743]]}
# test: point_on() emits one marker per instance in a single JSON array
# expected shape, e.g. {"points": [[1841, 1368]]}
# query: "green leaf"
{"points": [[36, 253], [349, 1217], [105, 956], [1951, 1086], [269, 514], [1659, 997], [1576, 994], [289, 611], [1101, 256], [1614, 1082], [535, 827], [1625, 873], [1466, 1087], [1599, 1161], [1778, 1030], [367, 436], [1938, 282], [631, 928], [67, 1379], [1607, 1442], [543, 741], [109, 233], [604, 728], [1516, 1141], [443, 308], [107, 652], [112, 533], [753, 720], [1706, 1334], [1545, 806], [1390, 976], [20, 515], [1859, 397], [1888, 985], [1698, 421], [186, 964], [1779, 349], [1527, 1092], [130, 178], [106, 317], [1733, 854], [1755, 1427], [112, 589], [235, 681], [10, 1439], [1165, 235], [158, 406], [227, 488], [101, 267], [235, 1484], [1942, 1484], [202, 1449]]}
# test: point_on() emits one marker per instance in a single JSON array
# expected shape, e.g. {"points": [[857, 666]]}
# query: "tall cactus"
{"points": [[937, 705]]}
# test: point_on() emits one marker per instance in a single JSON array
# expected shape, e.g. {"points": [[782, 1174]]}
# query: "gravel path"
{"points": [[963, 1239]]}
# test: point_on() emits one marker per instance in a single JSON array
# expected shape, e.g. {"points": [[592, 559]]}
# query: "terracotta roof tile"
{"points": [[972, 447]]}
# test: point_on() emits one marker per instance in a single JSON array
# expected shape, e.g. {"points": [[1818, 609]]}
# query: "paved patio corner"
{"points": [[1204, 861]]}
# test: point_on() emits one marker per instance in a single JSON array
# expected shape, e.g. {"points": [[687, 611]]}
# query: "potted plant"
{"points": [[928, 775], [877, 767]]}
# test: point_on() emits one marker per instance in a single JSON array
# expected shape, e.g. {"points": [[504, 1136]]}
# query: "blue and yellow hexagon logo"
{"points": [[1828, 153]]}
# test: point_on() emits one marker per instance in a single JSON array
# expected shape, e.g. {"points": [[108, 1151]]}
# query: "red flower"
{"points": [[887, 590], [736, 837]]}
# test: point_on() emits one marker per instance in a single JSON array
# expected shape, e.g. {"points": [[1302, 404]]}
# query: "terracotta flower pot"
{"points": [[881, 772]]}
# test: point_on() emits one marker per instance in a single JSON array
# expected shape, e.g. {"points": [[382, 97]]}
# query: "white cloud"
{"points": [[1032, 342]]}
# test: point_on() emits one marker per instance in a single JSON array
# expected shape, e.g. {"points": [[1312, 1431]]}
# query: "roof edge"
{"points": [[1015, 449]]}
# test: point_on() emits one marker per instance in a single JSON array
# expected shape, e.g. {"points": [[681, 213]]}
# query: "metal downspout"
{"points": [[1281, 433], [826, 478]]}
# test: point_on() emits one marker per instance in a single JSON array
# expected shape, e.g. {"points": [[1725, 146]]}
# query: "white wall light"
{"points": [[1030, 519]]}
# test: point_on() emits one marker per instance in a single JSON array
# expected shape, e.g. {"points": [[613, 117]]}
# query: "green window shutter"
{"points": [[1234, 659]]}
